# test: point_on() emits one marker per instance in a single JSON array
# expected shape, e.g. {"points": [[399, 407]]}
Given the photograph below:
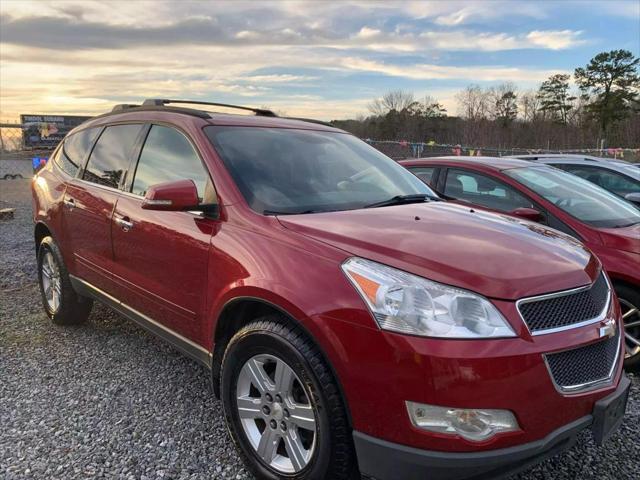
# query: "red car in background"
{"points": [[606, 224]]}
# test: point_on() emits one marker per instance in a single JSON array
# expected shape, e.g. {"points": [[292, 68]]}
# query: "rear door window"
{"points": [[482, 190], [75, 149], [110, 157], [167, 156]]}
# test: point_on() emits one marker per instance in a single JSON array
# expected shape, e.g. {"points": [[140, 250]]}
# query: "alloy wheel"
{"points": [[631, 318], [276, 413], [51, 282]]}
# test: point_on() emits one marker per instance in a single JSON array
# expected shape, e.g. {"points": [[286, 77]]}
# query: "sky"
{"points": [[319, 59]]}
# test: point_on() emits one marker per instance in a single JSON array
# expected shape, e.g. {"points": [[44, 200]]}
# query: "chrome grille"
{"points": [[583, 367], [565, 309]]}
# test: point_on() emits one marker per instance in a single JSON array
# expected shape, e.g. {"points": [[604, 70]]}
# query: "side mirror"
{"points": [[527, 213], [633, 197], [174, 196]]}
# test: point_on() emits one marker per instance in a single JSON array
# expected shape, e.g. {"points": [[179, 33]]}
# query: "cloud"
{"points": [[440, 72], [78, 33], [280, 78], [493, 42], [367, 33], [454, 13], [555, 40]]}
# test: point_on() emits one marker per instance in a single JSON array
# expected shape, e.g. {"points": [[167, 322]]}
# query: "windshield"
{"points": [[287, 171], [579, 198]]}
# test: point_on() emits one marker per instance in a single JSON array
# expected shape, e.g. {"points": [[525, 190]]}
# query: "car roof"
{"points": [[568, 157], [629, 169], [495, 163]]}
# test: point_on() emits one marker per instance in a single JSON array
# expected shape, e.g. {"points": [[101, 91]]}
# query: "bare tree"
{"points": [[504, 106], [397, 100], [529, 104], [428, 107], [473, 102]]}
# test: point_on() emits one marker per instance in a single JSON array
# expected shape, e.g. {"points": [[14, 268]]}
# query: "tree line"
{"points": [[603, 112]]}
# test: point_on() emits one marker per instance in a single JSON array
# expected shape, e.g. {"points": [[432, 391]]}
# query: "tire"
{"points": [[6, 176], [630, 304], [69, 308], [328, 446]]}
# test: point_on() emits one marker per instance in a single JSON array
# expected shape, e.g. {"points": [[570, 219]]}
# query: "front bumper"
{"points": [[384, 460]]}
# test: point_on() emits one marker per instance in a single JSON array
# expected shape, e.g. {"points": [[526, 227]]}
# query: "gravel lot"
{"points": [[108, 400]]}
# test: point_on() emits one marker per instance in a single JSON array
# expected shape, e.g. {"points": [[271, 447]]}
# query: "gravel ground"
{"points": [[108, 400]]}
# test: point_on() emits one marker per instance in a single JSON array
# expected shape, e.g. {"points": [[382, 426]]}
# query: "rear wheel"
{"points": [[61, 303], [629, 298], [282, 405]]}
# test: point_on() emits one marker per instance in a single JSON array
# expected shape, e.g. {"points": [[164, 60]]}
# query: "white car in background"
{"points": [[617, 176]]}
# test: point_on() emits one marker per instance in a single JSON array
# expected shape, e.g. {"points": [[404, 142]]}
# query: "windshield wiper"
{"points": [[301, 212], [403, 199]]}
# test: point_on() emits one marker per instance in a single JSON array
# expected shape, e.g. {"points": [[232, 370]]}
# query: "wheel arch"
{"points": [[40, 231], [241, 310], [623, 280]]}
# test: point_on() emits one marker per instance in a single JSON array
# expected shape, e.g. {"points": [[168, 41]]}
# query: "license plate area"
{"points": [[608, 412]]}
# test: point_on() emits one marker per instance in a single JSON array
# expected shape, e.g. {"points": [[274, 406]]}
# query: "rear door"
{"points": [[161, 258], [90, 199]]}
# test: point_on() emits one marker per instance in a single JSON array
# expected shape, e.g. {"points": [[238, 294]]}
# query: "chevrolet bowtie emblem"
{"points": [[608, 328]]}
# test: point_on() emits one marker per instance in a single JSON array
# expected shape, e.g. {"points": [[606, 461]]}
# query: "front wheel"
{"points": [[282, 405], [629, 298], [61, 303]]}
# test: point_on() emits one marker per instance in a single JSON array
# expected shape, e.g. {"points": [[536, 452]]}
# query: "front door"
{"points": [[161, 258]]}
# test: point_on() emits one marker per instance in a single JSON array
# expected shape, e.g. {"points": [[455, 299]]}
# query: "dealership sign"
{"points": [[46, 131]]}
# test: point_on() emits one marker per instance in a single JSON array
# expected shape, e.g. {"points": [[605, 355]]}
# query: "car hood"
{"points": [[626, 238], [495, 255]]}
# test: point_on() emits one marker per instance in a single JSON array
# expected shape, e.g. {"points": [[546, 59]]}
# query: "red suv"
{"points": [[351, 321], [608, 225]]}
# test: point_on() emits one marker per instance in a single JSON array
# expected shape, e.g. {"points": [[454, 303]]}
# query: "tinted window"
{"points": [[579, 198], [483, 190], [424, 173], [75, 149], [167, 155], [284, 170], [110, 157], [607, 179]]}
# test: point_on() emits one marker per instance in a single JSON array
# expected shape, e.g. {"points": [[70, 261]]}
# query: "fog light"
{"points": [[473, 424]]}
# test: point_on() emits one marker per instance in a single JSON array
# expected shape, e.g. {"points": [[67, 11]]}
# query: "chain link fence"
{"points": [[17, 160]]}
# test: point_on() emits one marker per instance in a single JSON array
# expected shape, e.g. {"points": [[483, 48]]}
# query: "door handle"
{"points": [[69, 203], [124, 223]]}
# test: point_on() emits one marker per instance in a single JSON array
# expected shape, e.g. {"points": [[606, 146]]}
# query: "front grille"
{"points": [[565, 309], [584, 366]]}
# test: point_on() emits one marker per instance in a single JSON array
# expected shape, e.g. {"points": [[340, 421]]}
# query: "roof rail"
{"points": [[160, 102], [311, 120], [123, 106]]}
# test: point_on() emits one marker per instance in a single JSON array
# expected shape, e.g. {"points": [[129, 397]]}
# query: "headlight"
{"points": [[473, 424], [405, 303]]}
